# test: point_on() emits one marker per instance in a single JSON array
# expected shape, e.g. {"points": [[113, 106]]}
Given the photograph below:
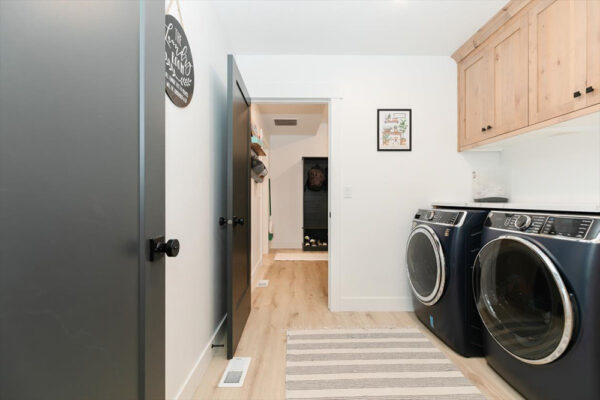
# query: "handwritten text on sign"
{"points": [[179, 67]]}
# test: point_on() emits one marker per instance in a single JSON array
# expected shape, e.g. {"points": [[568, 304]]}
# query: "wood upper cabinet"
{"points": [[493, 85], [536, 63], [475, 98], [557, 54], [510, 52], [593, 52]]}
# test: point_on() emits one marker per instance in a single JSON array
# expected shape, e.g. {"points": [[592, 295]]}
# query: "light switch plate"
{"points": [[347, 192]]}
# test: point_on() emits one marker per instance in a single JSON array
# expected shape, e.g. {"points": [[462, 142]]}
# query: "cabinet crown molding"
{"points": [[496, 22]]}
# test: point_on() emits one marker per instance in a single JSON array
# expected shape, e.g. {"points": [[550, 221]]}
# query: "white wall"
{"points": [[287, 182], [388, 187], [556, 168], [255, 218], [195, 198], [259, 212], [265, 218]]}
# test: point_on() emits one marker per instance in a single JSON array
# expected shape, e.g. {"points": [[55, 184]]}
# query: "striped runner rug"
{"points": [[379, 364]]}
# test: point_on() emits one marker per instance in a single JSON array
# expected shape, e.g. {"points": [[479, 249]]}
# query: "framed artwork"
{"points": [[394, 129]]}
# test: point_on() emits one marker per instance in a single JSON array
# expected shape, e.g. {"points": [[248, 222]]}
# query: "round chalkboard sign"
{"points": [[179, 65]]}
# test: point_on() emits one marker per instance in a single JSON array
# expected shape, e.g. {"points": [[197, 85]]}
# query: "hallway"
{"points": [[296, 298]]}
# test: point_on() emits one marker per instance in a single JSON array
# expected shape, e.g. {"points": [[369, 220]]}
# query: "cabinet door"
{"points": [[476, 98], [510, 52], [557, 58], [593, 52]]}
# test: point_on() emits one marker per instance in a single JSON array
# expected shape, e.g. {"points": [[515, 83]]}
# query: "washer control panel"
{"points": [[444, 217], [568, 226]]}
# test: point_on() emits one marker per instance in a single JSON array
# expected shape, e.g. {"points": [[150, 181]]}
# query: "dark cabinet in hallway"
{"points": [[315, 204]]}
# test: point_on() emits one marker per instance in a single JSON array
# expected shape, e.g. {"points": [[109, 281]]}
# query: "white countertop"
{"points": [[567, 207]]}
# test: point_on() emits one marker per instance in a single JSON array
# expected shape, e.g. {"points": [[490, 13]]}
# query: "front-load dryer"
{"points": [[536, 284], [440, 252]]}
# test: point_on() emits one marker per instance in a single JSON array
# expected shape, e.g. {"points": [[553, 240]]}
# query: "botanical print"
{"points": [[394, 129]]}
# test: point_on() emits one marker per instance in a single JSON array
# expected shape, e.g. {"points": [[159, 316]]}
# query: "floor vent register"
{"points": [[263, 283], [235, 373]]}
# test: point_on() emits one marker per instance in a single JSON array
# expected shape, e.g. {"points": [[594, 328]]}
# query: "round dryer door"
{"points": [[426, 265], [522, 300]]}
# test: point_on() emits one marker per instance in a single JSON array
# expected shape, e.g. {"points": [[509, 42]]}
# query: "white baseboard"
{"points": [[195, 376], [296, 244], [256, 266], [366, 304]]}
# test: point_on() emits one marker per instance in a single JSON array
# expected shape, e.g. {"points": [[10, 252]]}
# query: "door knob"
{"points": [[238, 221], [234, 221], [589, 89], [577, 94], [158, 246]]}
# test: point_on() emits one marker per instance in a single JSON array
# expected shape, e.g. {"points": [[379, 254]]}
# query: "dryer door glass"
{"points": [[425, 263], [522, 300]]}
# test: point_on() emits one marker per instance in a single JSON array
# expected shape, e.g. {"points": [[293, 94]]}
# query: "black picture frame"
{"points": [[380, 128]]}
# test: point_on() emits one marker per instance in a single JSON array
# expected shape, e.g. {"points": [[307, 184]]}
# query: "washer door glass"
{"points": [[522, 300], [425, 260]]}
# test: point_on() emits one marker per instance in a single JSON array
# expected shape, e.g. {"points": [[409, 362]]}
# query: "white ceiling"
{"points": [[372, 27], [309, 116]]}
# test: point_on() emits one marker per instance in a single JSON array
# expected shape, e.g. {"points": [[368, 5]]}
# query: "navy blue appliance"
{"points": [[536, 283], [440, 253]]}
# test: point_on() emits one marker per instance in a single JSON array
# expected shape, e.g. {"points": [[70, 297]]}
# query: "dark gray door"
{"points": [[81, 189], [238, 207]]}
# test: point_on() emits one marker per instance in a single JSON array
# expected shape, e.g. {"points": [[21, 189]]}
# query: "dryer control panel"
{"points": [[441, 217], [565, 226]]}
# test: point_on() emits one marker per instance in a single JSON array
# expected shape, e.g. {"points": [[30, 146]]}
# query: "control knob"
{"points": [[430, 215], [523, 222]]}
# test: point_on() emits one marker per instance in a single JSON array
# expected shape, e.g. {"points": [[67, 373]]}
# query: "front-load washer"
{"points": [[536, 283], [440, 252]]}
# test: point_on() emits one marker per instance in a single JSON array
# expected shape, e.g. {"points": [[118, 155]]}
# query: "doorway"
{"points": [[246, 168], [290, 199]]}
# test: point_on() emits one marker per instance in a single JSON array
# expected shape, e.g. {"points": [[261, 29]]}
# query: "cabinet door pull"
{"points": [[489, 127], [577, 94], [482, 129], [589, 89]]}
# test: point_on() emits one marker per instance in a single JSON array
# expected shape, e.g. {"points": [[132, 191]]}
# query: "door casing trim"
{"points": [[334, 276]]}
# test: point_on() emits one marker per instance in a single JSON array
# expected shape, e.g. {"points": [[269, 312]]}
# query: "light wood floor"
{"points": [[297, 298]]}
